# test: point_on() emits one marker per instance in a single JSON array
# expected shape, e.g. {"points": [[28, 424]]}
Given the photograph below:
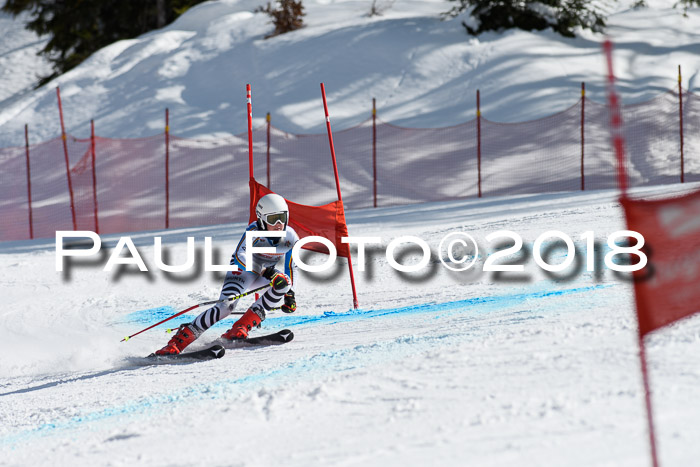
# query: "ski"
{"points": [[277, 338], [210, 353], [219, 349]]}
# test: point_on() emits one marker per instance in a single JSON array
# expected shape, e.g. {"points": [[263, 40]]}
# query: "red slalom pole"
{"points": [[619, 145], [250, 130], [249, 103], [65, 152], [337, 185], [647, 401], [618, 139]]}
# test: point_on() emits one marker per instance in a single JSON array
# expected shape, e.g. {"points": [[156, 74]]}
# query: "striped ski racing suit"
{"points": [[238, 282]]}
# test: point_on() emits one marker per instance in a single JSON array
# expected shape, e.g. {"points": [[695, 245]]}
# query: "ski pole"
{"points": [[170, 330], [236, 297]]}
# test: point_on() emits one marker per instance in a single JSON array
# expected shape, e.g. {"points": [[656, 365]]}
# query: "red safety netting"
{"points": [[301, 168], [205, 181], [652, 136], [418, 165], [208, 181], [532, 157], [14, 200], [130, 178]]}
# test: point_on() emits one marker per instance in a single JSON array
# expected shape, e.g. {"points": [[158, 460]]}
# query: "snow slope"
{"points": [[20, 65], [424, 71], [436, 367]]}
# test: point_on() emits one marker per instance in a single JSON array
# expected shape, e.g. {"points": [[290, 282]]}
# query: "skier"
{"points": [[272, 214]]}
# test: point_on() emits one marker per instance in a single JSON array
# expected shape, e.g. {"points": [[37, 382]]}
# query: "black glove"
{"points": [[278, 281], [268, 273], [290, 304]]}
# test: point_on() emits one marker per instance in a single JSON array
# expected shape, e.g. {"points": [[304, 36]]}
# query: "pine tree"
{"points": [[563, 16], [287, 16], [77, 28], [687, 4]]}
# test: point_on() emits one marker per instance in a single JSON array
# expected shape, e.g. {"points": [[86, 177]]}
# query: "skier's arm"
{"points": [[289, 265], [279, 282], [290, 303], [240, 256]]}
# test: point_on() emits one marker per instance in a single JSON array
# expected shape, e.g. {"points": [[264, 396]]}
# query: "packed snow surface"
{"points": [[434, 368], [422, 69]]}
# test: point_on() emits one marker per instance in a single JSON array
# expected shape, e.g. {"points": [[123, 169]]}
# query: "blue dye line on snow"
{"points": [[341, 359], [150, 315], [198, 392], [338, 359], [331, 317]]}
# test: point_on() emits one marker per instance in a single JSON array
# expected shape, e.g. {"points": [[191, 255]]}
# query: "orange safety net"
{"points": [[206, 181], [14, 199]]}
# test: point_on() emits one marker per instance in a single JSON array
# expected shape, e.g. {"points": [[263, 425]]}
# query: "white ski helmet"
{"points": [[270, 210]]}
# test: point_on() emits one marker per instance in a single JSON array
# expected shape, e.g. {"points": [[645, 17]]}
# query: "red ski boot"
{"points": [[241, 327], [186, 334]]}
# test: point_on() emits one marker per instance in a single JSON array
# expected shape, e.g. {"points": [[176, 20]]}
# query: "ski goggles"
{"points": [[276, 217]]}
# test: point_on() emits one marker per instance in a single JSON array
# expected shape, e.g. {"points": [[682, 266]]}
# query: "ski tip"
{"points": [[217, 351], [212, 352], [286, 334]]}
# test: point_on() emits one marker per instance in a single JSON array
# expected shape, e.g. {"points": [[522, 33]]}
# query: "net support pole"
{"points": [[337, 186], [167, 168], [29, 181], [680, 113], [619, 147], [268, 149], [65, 153], [583, 120], [94, 175], [478, 139], [374, 150]]}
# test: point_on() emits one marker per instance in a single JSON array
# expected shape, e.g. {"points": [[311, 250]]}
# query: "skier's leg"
{"points": [[257, 311], [186, 334], [235, 283], [273, 297]]}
